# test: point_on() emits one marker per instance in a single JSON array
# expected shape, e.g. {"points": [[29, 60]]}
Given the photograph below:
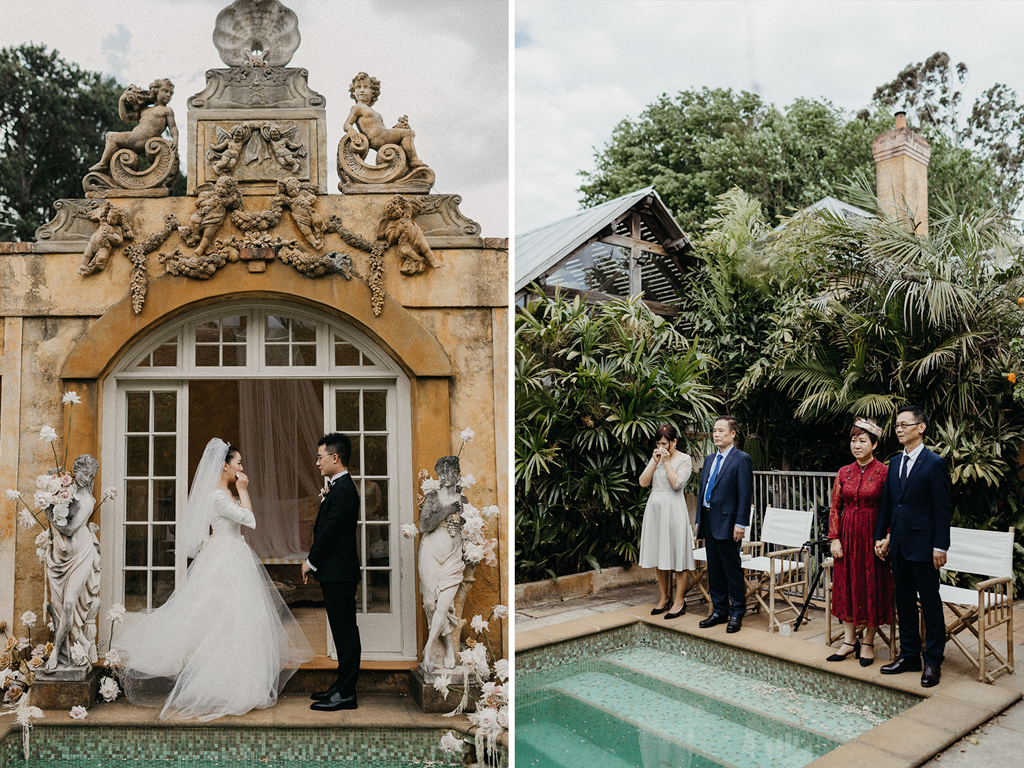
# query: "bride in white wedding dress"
{"points": [[224, 643]]}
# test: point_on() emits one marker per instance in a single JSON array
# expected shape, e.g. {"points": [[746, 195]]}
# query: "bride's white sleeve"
{"points": [[225, 506]]}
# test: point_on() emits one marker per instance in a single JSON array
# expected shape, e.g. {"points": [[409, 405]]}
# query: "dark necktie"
{"points": [[712, 479]]}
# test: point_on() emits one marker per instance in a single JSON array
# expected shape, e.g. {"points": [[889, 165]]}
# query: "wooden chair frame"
{"points": [[775, 575]]}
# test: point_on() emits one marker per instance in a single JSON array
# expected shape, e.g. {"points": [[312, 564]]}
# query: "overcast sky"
{"points": [[581, 67], [442, 63]]}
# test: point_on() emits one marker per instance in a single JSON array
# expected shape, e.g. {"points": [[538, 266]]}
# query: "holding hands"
{"points": [[882, 548]]}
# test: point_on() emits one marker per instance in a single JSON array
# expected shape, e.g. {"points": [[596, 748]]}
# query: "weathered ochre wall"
{"points": [[47, 310]]}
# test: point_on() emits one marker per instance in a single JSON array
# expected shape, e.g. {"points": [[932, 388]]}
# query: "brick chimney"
{"points": [[901, 166]]}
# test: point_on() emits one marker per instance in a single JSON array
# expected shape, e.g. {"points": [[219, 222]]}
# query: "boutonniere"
{"points": [[324, 491]]}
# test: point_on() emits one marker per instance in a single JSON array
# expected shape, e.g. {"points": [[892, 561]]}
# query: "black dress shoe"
{"points": [[902, 664], [713, 619], [734, 625], [334, 702], [930, 676], [321, 695], [656, 611], [677, 614]]}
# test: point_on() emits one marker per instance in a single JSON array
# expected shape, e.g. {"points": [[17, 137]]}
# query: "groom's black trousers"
{"points": [[340, 602]]}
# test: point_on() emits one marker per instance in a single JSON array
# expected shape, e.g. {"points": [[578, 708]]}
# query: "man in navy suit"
{"points": [[726, 488], [334, 562], [913, 527]]}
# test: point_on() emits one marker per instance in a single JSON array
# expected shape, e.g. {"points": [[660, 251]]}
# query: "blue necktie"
{"points": [[711, 480]]}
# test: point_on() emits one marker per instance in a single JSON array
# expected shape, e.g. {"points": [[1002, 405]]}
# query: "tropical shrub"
{"points": [[592, 383]]}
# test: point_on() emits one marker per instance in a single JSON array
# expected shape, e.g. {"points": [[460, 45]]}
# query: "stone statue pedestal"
{"points": [[431, 700], [65, 688]]}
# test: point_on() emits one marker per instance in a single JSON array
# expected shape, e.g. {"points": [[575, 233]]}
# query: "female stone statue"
{"points": [[441, 566], [73, 571]]}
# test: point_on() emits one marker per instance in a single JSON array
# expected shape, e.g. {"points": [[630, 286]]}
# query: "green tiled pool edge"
{"points": [[910, 738]]}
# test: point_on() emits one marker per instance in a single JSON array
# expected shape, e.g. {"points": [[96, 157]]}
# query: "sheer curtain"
{"points": [[281, 420]]}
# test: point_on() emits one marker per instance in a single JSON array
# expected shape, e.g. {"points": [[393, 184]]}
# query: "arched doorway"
{"points": [[266, 375]]}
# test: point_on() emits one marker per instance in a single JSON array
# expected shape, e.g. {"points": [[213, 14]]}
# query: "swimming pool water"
{"points": [[680, 707]]}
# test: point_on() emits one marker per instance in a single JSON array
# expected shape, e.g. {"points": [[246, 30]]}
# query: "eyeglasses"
{"points": [[320, 456], [900, 425]]}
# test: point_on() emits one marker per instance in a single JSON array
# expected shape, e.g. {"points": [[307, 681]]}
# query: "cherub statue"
{"points": [[113, 230], [228, 148], [397, 227], [300, 197], [150, 109], [212, 208], [365, 91], [284, 149]]}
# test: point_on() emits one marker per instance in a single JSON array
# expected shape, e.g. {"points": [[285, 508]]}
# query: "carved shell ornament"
{"points": [[262, 31]]}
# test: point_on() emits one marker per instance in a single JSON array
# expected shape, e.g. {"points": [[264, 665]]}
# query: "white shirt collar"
{"points": [[340, 474], [912, 455], [725, 452]]}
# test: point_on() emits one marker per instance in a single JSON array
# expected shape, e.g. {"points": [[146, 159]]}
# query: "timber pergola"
{"points": [[623, 247]]}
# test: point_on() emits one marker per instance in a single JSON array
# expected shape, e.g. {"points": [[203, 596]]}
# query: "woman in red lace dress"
{"points": [[861, 583]]}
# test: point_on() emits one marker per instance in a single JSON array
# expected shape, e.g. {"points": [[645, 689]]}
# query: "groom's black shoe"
{"points": [[321, 695], [334, 702]]}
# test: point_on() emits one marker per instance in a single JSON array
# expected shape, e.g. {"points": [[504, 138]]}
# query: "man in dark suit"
{"points": [[913, 527], [334, 562], [726, 488]]}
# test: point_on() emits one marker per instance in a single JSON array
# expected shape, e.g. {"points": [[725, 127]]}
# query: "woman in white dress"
{"points": [[224, 643], [666, 541]]}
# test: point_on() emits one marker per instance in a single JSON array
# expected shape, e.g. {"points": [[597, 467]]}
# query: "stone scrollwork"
{"points": [[112, 231], [212, 207], [119, 172], [396, 163], [397, 228]]}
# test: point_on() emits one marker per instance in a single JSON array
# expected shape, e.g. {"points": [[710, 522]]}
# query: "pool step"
{"points": [[706, 733], [554, 746], [664, 671]]}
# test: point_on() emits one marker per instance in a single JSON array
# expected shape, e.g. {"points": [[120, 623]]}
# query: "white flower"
{"points": [[473, 527], [487, 720], [42, 539], [476, 659], [451, 744], [111, 492], [441, 683], [430, 484], [48, 483], [71, 397], [66, 480], [479, 624], [78, 654], [39, 651], [116, 612], [473, 553], [25, 519], [491, 512], [490, 688], [29, 619], [503, 716], [60, 516], [410, 530], [109, 689], [500, 612], [23, 643], [78, 713], [113, 658], [468, 481], [47, 434], [25, 713], [13, 494], [42, 499], [501, 669], [467, 435]]}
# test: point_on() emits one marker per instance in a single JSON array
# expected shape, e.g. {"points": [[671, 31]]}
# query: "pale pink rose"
{"points": [[66, 480], [78, 713], [451, 744], [500, 612], [25, 519]]}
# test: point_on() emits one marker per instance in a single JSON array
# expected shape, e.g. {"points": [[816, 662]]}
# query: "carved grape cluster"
{"points": [[137, 255]]}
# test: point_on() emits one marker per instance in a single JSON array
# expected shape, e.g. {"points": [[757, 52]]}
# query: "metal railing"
{"points": [[795, 490]]}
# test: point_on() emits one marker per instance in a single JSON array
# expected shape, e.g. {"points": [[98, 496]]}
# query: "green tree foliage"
{"points": [[52, 119], [591, 386]]}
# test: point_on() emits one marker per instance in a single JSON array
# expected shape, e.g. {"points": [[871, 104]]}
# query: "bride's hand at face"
{"points": [[241, 481]]}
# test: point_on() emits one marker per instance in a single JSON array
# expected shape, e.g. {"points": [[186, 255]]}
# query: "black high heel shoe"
{"points": [[867, 661], [844, 656], [656, 611], [677, 614]]}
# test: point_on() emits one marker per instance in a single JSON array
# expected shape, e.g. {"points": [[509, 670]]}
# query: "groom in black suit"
{"points": [[726, 490], [913, 527], [334, 562]]}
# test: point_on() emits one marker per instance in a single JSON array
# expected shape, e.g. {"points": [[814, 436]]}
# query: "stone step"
{"points": [[722, 736], [698, 681]]}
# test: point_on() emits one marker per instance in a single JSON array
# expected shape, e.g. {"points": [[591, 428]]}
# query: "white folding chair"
{"points": [[779, 569]]}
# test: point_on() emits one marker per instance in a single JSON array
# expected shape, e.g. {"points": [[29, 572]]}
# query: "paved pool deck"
{"points": [[960, 722]]}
